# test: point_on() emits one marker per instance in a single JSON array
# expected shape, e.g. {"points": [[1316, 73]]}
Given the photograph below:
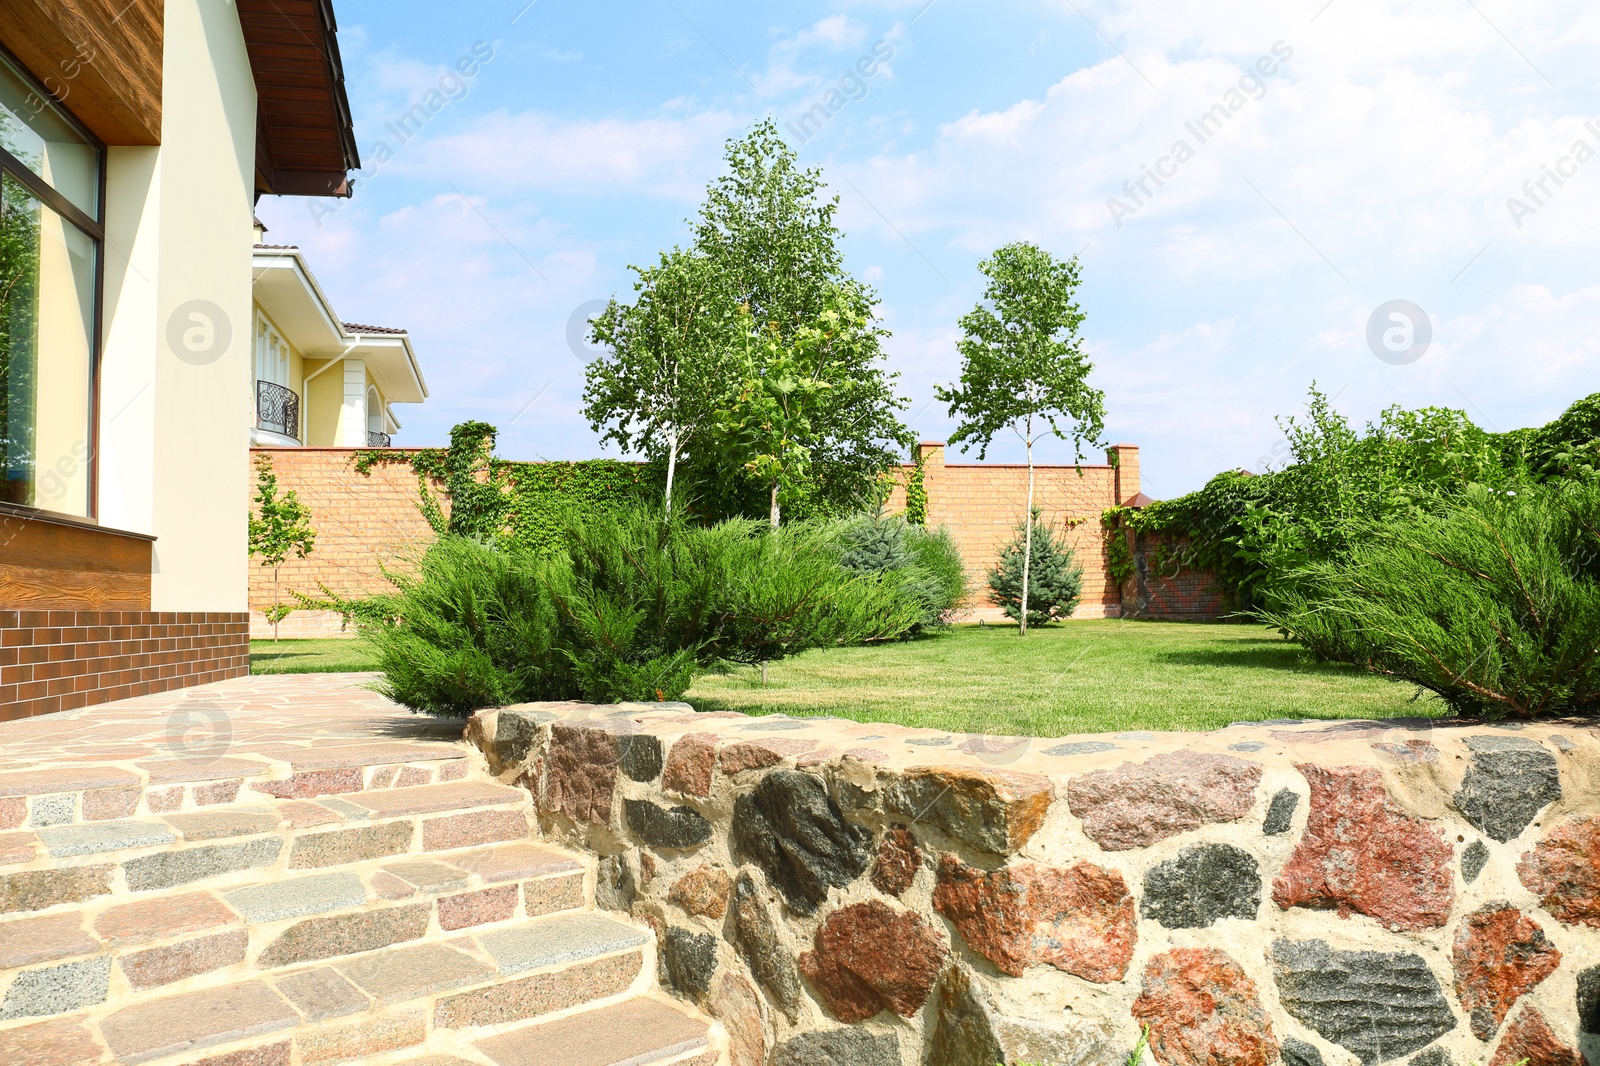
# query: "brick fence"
{"points": [[367, 521]]}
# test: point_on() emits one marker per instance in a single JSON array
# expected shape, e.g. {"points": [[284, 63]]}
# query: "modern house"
{"points": [[319, 381], [134, 141]]}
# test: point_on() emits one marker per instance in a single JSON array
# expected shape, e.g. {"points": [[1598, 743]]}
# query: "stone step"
{"points": [[635, 1032], [426, 995], [68, 864], [191, 779], [73, 959]]}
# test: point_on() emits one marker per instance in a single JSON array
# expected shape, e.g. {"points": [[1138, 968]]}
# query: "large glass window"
{"points": [[49, 283]]}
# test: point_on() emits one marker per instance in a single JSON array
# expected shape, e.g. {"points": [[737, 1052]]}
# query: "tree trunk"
{"points": [[274, 605], [672, 465], [1027, 539], [774, 503]]}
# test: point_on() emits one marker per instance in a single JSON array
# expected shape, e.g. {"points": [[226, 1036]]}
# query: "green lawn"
{"points": [[1076, 677], [332, 656]]}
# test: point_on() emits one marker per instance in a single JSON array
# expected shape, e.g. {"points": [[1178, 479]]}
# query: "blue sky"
{"points": [[1377, 161]]}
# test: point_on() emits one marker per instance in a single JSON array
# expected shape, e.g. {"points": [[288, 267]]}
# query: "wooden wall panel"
{"points": [[52, 565], [100, 58]]}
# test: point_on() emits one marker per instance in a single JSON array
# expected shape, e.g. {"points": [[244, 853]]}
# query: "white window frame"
{"points": [[272, 353]]}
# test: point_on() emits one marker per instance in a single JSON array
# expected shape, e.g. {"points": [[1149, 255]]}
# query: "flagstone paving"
{"points": [[292, 869]]}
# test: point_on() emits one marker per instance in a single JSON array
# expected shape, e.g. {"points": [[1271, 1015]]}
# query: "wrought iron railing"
{"points": [[378, 440], [277, 409]]}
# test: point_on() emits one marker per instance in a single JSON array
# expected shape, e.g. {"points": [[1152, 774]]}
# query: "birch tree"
{"points": [[1023, 366], [669, 360]]}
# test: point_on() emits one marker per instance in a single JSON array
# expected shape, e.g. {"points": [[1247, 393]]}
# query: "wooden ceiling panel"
{"points": [[306, 141], [100, 58]]}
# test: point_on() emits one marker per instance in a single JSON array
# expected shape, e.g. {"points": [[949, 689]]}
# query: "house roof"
{"points": [[305, 137], [286, 289]]}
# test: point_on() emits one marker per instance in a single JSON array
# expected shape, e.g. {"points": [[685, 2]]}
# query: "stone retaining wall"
{"points": [[1321, 894]]}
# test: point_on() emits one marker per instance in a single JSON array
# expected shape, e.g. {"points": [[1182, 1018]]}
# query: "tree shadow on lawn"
{"points": [[1261, 654]]}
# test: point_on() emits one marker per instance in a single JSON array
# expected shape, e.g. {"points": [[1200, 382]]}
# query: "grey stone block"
{"points": [[95, 837], [790, 827], [639, 756], [1297, 1052], [298, 897], [1280, 813], [930, 742], [1204, 884], [57, 989], [1589, 1001], [1434, 1056], [559, 939], [1474, 857], [1378, 1005], [173, 868], [1510, 781], [1247, 745], [429, 876], [776, 725], [661, 827], [836, 1047], [51, 810], [689, 961], [757, 935], [515, 732], [1081, 747]]}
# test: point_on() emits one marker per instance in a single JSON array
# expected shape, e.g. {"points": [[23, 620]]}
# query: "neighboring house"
{"points": [[320, 382], [134, 141]]}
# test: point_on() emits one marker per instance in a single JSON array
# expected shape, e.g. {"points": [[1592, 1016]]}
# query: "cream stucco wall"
{"points": [[175, 417]]}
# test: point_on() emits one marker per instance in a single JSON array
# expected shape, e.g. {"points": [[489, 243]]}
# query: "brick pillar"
{"points": [[931, 455], [1125, 460]]}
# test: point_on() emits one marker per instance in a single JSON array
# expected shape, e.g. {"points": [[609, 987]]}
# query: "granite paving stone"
{"points": [[51, 810], [60, 1042], [172, 868], [339, 846], [547, 895], [510, 862], [560, 938], [57, 989], [478, 908], [157, 919], [529, 997], [411, 972], [426, 799], [195, 1020], [200, 768], [316, 939], [298, 897], [368, 1037], [176, 962], [31, 940], [428, 875], [635, 1031], [34, 890], [18, 848], [96, 837], [321, 994], [211, 825], [473, 828], [64, 779]]}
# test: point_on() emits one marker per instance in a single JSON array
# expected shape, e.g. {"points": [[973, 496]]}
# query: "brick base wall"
{"points": [[62, 660], [1167, 587]]}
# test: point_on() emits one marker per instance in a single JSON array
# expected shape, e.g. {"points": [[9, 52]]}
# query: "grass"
{"points": [[331, 656], [1075, 677], [1087, 676]]}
